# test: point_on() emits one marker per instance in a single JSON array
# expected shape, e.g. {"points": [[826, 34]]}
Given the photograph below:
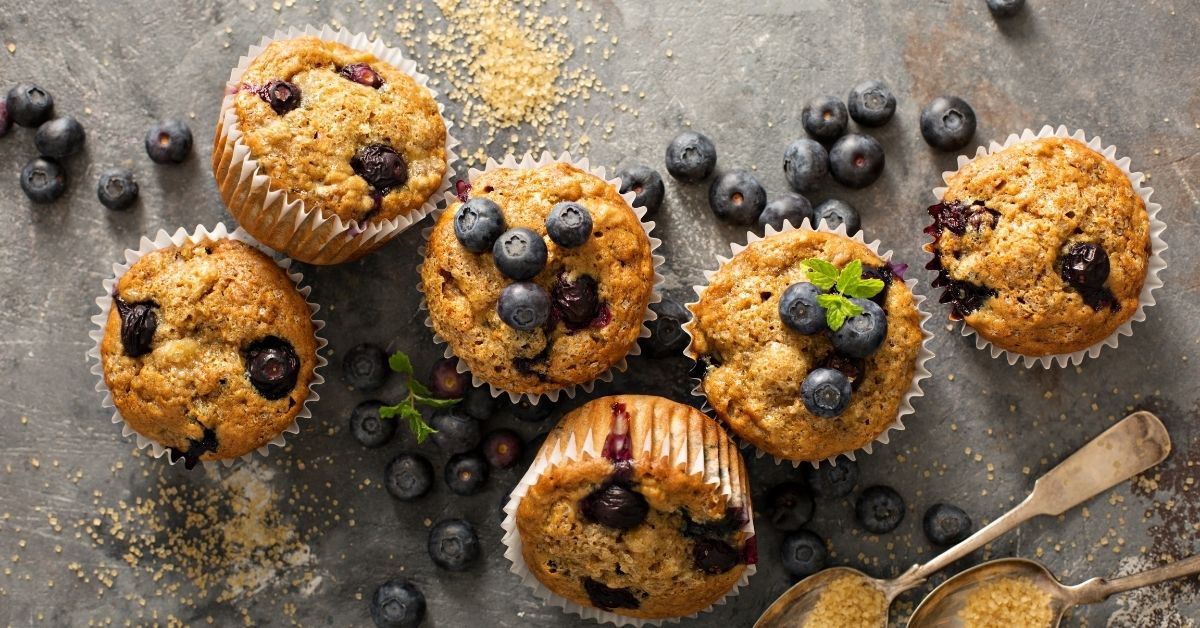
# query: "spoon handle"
{"points": [[1098, 589]]}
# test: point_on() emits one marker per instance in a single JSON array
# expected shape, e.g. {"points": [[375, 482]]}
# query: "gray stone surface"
{"points": [[1126, 71]]}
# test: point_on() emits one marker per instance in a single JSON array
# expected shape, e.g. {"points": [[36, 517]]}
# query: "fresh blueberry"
{"points": [[453, 545], [803, 554], [408, 476], [856, 160], [714, 556], [502, 448], [948, 123], [520, 253], [169, 141], [380, 166], [945, 524], [273, 367], [29, 105], [691, 157], [1005, 8], [871, 103], [43, 180], [456, 433], [789, 207], [479, 403], [575, 303], [477, 224], [879, 509], [5, 119], [789, 506], [569, 224], [607, 598], [1085, 265], [667, 337], [646, 185], [397, 604], [116, 189], [282, 96], [365, 367], [465, 474], [524, 306], [824, 118], [60, 137], [830, 481], [138, 324], [616, 506], [836, 213], [805, 164], [737, 197], [799, 309], [529, 412], [445, 382], [370, 429], [861, 334], [362, 74], [825, 392]]}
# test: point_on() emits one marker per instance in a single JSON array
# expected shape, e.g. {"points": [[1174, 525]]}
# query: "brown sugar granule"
{"points": [[849, 601], [1007, 603]]}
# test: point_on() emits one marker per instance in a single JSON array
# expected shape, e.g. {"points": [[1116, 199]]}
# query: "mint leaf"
{"points": [[416, 423], [400, 363], [418, 389], [864, 288], [851, 274], [434, 402], [821, 273], [837, 309], [388, 412]]}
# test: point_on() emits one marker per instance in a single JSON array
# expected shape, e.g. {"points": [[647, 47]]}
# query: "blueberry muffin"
{"points": [[770, 361], [1042, 247], [648, 520], [540, 280], [347, 134], [208, 349]]}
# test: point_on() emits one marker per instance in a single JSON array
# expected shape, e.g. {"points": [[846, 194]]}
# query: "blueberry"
{"points": [[397, 604], [805, 164], [368, 428], [799, 310], [879, 509], [365, 367], [1005, 8], [871, 103], [667, 337], [852, 368], [138, 324], [520, 253], [616, 506], [273, 367], [646, 185], [453, 545], [861, 334], [824, 118], [445, 382], [789, 506], [803, 554], [945, 524], [1085, 265], [60, 137], [283, 96], [362, 74], [408, 476], [43, 180], [116, 189], [456, 433], [380, 166], [529, 412], [714, 556], [575, 303], [479, 403], [502, 448], [29, 105], [569, 224], [477, 224], [465, 474], [607, 598], [5, 119], [196, 449], [836, 213], [691, 157], [831, 481], [825, 392], [790, 207], [524, 306], [737, 197], [856, 161], [948, 123], [169, 141]]}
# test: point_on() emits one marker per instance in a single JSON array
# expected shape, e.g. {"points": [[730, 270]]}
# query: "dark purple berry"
{"points": [[575, 303], [646, 185], [879, 509], [445, 380], [824, 118], [529, 412], [368, 428], [856, 160], [945, 524], [737, 197], [963, 297], [43, 180], [615, 506], [397, 604], [832, 481], [116, 189], [466, 473], [607, 598], [871, 103], [803, 554], [789, 506], [283, 96], [408, 476], [948, 123], [138, 323], [456, 433], [569, 225], [853, 368], [956, 217], [477, 224], [453, 544], [524, 306], [273, 367], [667, 337], [479, 403], [362, 74], [520, 253], [1085, 265], [60, 137], [714, 556], [691, 157], [365, 367], [1005, 8], [196, 449], [169, 141], [381, 166], [502, 448], [29, 105]]}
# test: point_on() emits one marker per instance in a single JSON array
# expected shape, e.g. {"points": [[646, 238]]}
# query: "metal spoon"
{"points": [[941, 607], [1136, 443]]}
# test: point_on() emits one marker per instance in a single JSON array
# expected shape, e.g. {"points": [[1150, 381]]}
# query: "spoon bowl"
{"points": [[794, 607], [942, 606]]}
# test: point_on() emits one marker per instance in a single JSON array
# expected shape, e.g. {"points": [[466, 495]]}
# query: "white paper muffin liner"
{"points": [[1154, 266], [688, 455], [921, 372], [163, 240], [529, 161], [308, 234]]}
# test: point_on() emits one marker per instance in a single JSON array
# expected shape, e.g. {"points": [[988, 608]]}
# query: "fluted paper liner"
{"points": [[201, 234], [526, 162], [1154, 266], [718, 462], [920, 373], [289, 226]]}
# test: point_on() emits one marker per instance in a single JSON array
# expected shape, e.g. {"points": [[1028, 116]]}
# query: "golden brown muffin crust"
{"points": [[214, 300], [755, 388], [462, 288], [306, 152]]}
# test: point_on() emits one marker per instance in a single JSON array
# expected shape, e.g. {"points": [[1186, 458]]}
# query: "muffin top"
{"points": [[755, 365], [1042, 247], [648, 520], [341, 130], [209, 349], [598, 290]]}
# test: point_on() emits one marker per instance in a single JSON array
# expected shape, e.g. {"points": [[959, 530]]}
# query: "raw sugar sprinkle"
{"points": [[1007, 603]]}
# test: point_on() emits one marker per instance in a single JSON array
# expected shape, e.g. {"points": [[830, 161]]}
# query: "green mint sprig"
{"points": [[843, 285], [418, 394]]}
